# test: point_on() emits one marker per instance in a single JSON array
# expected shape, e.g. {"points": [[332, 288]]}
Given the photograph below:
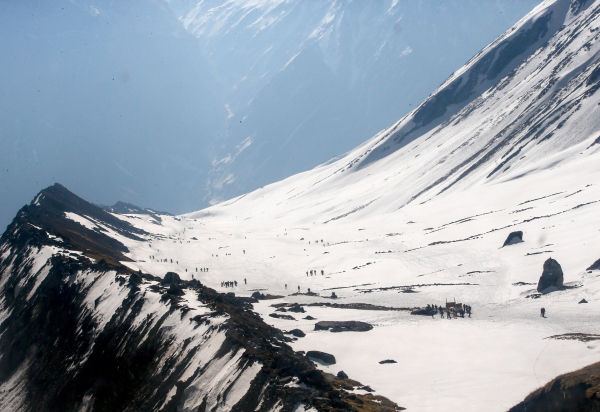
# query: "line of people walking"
{"points": [[452, 312], [314, 272]]}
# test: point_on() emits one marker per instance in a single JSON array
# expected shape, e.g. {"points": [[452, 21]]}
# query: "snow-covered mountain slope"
{"points": [[307, 80], [416, 216], [426, 206], [81, 332]]}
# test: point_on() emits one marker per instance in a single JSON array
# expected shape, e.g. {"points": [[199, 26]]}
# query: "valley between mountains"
{"points": [[133, 310]]}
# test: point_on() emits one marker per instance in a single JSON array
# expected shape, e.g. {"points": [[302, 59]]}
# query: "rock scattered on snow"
{"points": [[552, 276], [428, 311], [322, 356], [296, 332], [296, 308], [595, 266], [278, 316], [387, 361], [342, 375], [262, 296], [583, 301], [513, 237], [308, 317], [347, 326]]}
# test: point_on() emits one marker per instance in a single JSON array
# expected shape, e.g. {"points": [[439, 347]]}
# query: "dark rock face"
{"points": [[278, 316], [171, 278], [296, 308], [595, 266], [347, 326], [428, 311], [342, 375], [513, 237], [262, 296], [48, 211], [551, 276], [175, 290], [297, 333], [573, 392], [322, 356], [257, 295], [124, 208]]}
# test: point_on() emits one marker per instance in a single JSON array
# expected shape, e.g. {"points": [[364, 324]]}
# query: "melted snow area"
{"points": [[430, 213]]}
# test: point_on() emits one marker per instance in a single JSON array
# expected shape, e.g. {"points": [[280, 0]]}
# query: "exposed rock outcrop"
{"points": [[513, 237], [552, 276], [428, 311], [595, 265], [297, 333], [171, 278], [346, 326], [322, 356], [577, 391]]}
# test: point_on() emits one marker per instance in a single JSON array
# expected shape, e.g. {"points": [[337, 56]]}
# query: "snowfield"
{"points": [[428, 211], [489, 361]]}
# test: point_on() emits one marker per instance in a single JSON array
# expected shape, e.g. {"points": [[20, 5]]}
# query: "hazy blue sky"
{"points": [[120, 101]]}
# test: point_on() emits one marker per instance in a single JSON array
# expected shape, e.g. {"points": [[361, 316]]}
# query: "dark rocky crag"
{"points": [[552, 276], [62, 350]]}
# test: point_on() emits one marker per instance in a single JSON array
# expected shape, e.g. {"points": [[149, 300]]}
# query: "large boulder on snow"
{"points": [[171, 278], [552, 276], [513, 237], [322, 356]]}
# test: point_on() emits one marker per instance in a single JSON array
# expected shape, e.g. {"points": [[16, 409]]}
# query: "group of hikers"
{"points": [[176, 262], [231, 284], [451, 311], [314, 272]]}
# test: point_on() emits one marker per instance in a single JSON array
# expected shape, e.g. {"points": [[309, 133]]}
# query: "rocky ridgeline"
{"points": [[64, 350]]}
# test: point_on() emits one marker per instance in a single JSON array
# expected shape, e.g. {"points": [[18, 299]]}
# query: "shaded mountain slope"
{"points": [[576, 391]]}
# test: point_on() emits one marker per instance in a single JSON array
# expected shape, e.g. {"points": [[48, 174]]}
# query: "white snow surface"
{"points": [[431, 214], [428, 213]]}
